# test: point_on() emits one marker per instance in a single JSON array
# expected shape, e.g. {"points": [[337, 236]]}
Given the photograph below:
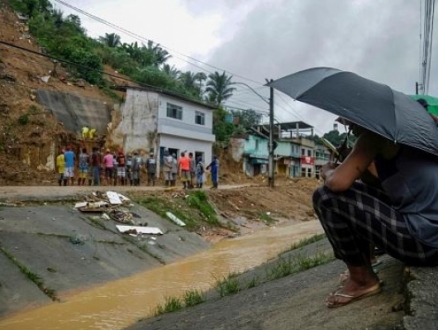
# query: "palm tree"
{"points": [[161, 55], [200, 78], [111, 40], [219, 87], [171, 71], [188, 79]]}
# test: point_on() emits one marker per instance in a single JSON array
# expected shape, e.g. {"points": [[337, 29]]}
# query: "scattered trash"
{"points": [[105, 216], [175, 219], [45, 79], [139, 230], [8, 204], [81, 204], [113, 197], [135, 215], [121, 216]]}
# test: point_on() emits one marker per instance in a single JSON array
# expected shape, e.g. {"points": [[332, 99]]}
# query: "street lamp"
{"points": [[271, 128]]}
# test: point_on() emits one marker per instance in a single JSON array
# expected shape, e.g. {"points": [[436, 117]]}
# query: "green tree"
{"points": [[171, 71], [219, 87], [248, 118], [188, 79], [337, 139], [200, 78], [221, 128], [160, 55], [153, 76], [111, 40], [32, 8]]}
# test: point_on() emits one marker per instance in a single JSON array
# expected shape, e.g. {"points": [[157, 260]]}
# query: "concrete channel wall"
{"points": [[70, 250]]}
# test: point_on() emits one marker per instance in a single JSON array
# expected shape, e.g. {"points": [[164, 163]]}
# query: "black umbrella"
{"points": [[367, 103]]}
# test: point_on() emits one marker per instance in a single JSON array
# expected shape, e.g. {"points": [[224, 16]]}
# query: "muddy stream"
{"points": [[118, 304]]}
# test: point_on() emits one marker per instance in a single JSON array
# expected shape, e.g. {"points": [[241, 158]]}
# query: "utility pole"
{"points": [[271, 137]]}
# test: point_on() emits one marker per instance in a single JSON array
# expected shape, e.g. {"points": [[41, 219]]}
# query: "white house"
{"points": [[155, 120]]}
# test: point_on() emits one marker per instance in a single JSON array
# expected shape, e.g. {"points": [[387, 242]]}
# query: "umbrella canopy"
{"points": [[367, 103], [431, 101]]}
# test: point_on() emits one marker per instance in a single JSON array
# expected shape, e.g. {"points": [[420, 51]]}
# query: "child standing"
{"points": [[60, 168]]}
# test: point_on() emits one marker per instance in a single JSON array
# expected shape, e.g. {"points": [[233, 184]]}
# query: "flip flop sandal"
{"points": [[370, 292]]}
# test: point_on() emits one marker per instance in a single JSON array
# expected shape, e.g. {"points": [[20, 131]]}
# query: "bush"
{"points": [[24, 120]]}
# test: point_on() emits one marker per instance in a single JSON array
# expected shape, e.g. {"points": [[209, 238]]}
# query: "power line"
{"points": [[141, 38], [101, 71]]}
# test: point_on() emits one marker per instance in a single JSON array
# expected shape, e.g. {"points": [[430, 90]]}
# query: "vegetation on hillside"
{"points": [[63, 37]]}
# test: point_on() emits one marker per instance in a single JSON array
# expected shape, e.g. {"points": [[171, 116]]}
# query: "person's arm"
{"points": [[341, 177], [370, 176]]}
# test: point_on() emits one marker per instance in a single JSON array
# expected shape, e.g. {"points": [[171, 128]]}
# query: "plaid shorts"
{"points": [[361, 215]]}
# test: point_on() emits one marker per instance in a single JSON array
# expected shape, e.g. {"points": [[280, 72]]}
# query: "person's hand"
{"points": [[343, 151], [325, 168]]}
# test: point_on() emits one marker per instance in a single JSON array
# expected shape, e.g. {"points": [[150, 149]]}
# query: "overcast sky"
{"points": [[257, 39]]}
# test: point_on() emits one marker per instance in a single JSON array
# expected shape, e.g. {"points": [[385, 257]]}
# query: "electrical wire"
{"points": [[141, 38]]}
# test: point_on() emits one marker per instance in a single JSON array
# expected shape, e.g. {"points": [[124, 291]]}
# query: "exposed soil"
{"points": [[27, 130]]}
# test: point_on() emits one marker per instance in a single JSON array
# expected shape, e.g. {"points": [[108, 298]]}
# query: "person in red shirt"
{"points": [[184, 169]]}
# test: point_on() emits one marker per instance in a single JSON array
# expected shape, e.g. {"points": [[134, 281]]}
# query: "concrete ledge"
{"points": [[422, 299]]}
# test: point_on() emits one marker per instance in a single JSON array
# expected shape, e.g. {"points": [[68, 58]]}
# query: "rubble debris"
{"points": [[175, 219], [8, 204], [114, 198], [121, 216], [45, 79], [135, 230]]}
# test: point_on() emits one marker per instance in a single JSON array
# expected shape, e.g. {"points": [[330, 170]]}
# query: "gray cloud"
{"points": [[377, 39]]}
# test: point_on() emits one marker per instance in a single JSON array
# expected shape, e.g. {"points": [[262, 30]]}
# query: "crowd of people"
{"points": [[118, 168]]}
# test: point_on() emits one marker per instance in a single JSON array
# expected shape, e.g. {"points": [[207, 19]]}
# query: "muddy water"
{"points": [[118, 304]]}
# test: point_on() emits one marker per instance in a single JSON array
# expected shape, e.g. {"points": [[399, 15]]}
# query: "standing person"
{"points": [[167, 168], [214, 169], [121, 167], [108, 164], [129, 169], [401, 218], [199, 173], [151, 168], [96, 162], [70, 158], [174, 170], [115, 167], [60, 168], [83, 167], [184, 170], [136, 167], [192, 169]]}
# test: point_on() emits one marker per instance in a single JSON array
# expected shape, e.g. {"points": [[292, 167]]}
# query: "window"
{"points": [[199, 118], [174, 111], [309, 153], [256, 144], [303, 152]]}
